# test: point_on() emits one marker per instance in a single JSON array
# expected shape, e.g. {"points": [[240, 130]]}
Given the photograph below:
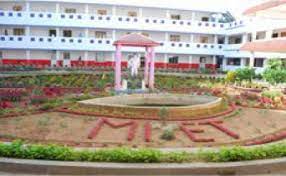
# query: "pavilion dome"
{"points": [[136, 40]]}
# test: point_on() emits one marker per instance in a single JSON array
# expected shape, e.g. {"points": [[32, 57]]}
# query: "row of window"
{"points": [[63, 40], [127, 19], [103, 34], [104, 12], [188, 45], [258, 62]]}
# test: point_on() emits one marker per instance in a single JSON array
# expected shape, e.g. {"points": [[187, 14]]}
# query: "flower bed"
{"points": [[12, 94]]}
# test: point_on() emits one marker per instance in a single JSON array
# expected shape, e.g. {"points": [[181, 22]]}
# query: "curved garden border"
{"points": [[230, 109], [270, 166]]}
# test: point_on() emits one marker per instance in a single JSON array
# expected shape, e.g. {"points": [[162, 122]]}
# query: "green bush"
{"points": [[244, 74], [272, 94], [230, 76], [275, 72], [275, 76], [18, 149], [168, 134]]}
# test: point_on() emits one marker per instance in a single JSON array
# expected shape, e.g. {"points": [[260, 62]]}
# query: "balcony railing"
{"points": [[108, 21], [92, 44]]}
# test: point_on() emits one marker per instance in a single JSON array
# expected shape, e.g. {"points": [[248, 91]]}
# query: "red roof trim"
{"points": [[277, 45], [136, 40], [264, 6]]}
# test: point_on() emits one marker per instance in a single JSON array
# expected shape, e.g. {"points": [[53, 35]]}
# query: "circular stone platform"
{"points": [[178, 106]]}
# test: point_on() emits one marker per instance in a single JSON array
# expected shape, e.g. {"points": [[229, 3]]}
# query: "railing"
{"points": [[93, 44], [108, 21]]}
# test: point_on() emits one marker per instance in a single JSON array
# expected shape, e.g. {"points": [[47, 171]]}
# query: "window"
{"points": [[220, 40], [67, 33], [249, 37], [204, 39], [54, 55], [205, 19], [233, 61], [52, 33], [99, 56], [18, 31], [283, 34], [238, 40], [145, 34], [6, 32], [175, 17], [258, 62], [260, 35], [173, 60], [70, 10], [67, 56], [235, 39], [132, 14], [175, 38], [100, 34], [203, 60], [102, 12], [17, 8], [275, 35]]}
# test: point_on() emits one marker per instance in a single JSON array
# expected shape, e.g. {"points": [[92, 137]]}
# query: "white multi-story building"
{"points": [[68, 33]]}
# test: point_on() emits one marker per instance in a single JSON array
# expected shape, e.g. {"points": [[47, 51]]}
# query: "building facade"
{"points": [[66, 33]]}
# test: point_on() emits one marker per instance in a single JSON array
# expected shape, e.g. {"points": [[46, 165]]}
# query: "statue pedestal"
{"points": [[143, 87], [124, 84]]}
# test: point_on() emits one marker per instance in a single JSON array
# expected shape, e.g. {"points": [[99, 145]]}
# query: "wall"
{"points": [[153, 13], [40, 55], [93, 9], [14, 54], [123, 11], [42, 7], [79, 7], [37, 31], [9, 5]]}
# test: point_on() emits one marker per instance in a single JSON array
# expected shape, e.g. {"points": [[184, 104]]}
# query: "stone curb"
{"points": [[23, 166]]}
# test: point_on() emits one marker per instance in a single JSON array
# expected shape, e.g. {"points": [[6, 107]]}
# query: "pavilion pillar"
{"points": [[146, 69], [152, 68], [118, 68]]}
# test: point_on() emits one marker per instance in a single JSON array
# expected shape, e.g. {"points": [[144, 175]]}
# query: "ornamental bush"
{"points": [[275, 72], [244, 74], [18, 149], [230, 76]]}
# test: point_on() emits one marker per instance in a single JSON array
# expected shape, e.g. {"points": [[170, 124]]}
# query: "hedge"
{"points": [[18, 149]]}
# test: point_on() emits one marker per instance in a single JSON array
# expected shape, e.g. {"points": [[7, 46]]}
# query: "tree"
{"points": [[275, 72], [245, 74]]}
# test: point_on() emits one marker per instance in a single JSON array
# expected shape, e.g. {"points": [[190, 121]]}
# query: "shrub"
{"points": [[47, 106], [168, 134], [272, 94], [18, 149], [38, 99], [244, 74], [275, 72], [11, 94], [230, 76], [275, 76]]}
